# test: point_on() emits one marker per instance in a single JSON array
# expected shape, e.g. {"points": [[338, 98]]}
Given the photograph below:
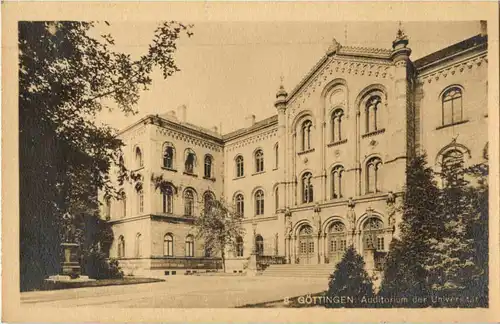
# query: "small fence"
{"points": [[264, 261], [186, 263]]}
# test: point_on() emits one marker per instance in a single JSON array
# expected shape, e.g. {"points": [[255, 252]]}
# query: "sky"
{"points": [[230, 70]]}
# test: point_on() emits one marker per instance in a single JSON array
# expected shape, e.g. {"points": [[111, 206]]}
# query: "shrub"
{"points": [[97, 266]]}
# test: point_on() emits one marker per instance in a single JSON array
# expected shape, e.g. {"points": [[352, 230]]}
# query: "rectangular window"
{"points": [[141, 202], [303, 247], [380, 244], [311, 247], [189, 249], [124, 208], [343, 245], [447, 112]]}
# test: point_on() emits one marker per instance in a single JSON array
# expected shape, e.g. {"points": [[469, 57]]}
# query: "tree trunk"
{"points": [[223, 254]]}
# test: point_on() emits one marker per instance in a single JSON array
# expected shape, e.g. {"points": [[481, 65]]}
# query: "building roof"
{"points": [[255, 127], [475, 41], [368, 52]]}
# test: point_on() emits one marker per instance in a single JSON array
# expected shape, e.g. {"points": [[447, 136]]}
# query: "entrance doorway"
{"points": [[337, 242], [306, 245]]}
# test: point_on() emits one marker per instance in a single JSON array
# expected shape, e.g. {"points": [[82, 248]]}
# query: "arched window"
{"points": [[259, 161], [307, 188], [168, 245], [140, 201], [240, 204], [276, 199], [124, 206], [337, 117], [190, 161], [373, 167], [208, 166], [373, 234], [337, 182], [188, 202], [138, 158], [452, 106], [276, 156], [239, 166], [107, 208], [451, 162], [259, 202], [138, 245], [306, 135], [208, 198], [168, 200], [259, 245], [121, 247], [190, 246], [372, 112], [239, 246], [168, 155]]}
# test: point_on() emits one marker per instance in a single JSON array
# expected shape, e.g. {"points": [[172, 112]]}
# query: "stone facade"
{"points": [[334, 158]]}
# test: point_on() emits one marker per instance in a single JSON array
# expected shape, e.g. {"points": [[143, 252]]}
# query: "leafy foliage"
{"points": [[459, 262], [219, 225], [350, 280], [67, 76], [405, 274], [443, 250], [97, 266]]}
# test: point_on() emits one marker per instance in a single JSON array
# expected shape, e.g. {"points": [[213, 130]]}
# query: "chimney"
{"points": [[249, 121], [181, 111], [484, 28]]}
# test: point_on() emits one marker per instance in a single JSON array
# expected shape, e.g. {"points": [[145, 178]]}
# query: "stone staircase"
{"points": [[299, 270]]}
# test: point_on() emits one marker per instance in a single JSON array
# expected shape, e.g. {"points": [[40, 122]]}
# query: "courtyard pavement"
{"points": [[181, 292]]}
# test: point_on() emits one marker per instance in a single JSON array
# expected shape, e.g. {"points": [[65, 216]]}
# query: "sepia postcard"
{"points": [[238, 162]]}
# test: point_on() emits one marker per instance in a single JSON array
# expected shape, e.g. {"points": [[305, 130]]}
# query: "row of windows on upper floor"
{"points": [[450, 158], [167, 207], [169, 158], [451, 114]]}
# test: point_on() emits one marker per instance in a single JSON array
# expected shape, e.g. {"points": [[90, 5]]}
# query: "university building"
{"points": [[326, 171]]}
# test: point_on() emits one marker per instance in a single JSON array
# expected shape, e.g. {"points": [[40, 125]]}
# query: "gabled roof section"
{"points": [[175, 124], [343, 51], [273, 120], [477, 41]]}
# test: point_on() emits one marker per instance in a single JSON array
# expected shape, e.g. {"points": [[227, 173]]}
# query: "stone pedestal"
{"points": [[252, 265], [70, 265]]}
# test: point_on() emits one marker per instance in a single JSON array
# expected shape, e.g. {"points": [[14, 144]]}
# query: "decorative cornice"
{"points": [[452, 69], [382, 53], [252, 139], [187, 138]]}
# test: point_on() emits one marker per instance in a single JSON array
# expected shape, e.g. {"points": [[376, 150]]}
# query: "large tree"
{"points": [[66, 77], [459, 263], [405, 274], [350, 280], [219, 225]]}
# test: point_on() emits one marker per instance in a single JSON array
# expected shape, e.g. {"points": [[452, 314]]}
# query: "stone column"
{"points": [[294, 246], [325, 247]]}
